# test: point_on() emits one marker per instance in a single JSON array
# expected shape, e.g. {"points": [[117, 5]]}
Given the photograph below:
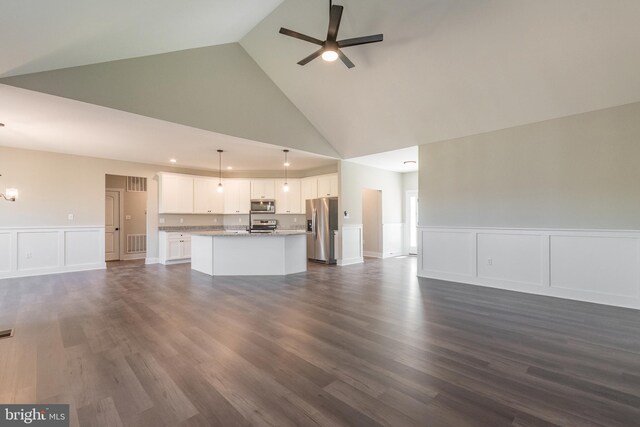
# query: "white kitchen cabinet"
{"points": [[176, 194], [237, 196], [175, 247], [206, 197], [288, 202], [308, 189], [328, 185], [263, 189]]}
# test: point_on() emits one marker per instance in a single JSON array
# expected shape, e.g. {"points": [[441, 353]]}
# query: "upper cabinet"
{"points": [[288, 202], [206, 197], [176, 194], [263, 189], [308, 188], [237, 196], [328, 185]]}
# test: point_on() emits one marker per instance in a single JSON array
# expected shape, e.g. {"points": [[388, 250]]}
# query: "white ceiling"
{"points": [[43, 122], [391, 160], [447, 68], [451, 68], [46, 35]]}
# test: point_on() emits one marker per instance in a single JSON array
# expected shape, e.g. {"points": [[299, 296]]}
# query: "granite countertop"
{"points": [[239, 233], [211, 228]]}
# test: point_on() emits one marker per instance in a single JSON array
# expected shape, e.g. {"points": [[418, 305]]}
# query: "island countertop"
{"points": [[240, 233]]}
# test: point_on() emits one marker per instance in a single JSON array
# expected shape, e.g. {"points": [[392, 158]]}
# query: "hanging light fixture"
{"points": [[220, 187], [10, 194], [285, 187]]}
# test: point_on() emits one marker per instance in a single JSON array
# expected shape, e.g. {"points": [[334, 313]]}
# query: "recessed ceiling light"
{"points": [[173, 160], [229, 167]]}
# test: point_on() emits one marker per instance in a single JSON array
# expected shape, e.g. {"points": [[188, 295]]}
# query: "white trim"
{"points": [[121, 236], [372, 254], [350, 244], [149, 261], [598, 266], [36, 251]]}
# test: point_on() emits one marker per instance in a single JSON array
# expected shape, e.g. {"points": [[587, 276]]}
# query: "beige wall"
{"points": [[355, 177], [54, 185], [372, 221], [578, 172]]}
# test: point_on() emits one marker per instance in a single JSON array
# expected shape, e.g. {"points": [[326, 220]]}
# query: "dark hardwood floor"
{"points": [[363, 345]]}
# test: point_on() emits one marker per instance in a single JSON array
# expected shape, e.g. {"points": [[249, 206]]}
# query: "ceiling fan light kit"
{"points": [[331, 48]]}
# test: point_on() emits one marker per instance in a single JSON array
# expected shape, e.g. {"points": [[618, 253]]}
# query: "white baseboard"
{"points": [[48, 271], [585, 265], [177, 261], [350, 261], [151, 260], [372, 254]]}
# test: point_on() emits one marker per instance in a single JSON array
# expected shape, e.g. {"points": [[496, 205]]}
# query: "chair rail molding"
{"points": [[34, 251], [599, 266]]}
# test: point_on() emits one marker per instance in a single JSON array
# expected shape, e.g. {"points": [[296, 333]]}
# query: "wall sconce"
{"points": [[10, 194]]}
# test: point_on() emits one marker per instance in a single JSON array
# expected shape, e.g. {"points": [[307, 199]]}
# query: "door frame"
{"points": [[121, 242], [407, 234]]}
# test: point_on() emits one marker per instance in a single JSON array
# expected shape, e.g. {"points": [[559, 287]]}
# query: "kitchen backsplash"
{"points": [[226, 222]]}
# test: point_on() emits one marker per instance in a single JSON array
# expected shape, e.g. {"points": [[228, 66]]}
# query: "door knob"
{"points": [[117, 229]]}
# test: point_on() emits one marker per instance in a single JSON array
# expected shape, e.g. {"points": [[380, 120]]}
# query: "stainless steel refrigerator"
{"points": [[322, 222]]}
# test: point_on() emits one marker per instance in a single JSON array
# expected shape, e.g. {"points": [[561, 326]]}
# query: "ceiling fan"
{"points": [[330, 50]]}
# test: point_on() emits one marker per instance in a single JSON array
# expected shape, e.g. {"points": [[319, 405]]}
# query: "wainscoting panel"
{"points": [[350, 238], [605, 265], [392, 239], [5, 252], [83, 247], [447, 251], [36, 251], [586, 265], [511, 257]]}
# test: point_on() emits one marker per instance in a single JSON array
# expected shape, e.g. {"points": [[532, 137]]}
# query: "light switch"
{"points": [[70, 217], [127, 217]]}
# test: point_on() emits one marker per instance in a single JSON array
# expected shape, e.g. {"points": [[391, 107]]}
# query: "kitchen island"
{"points": [[224, 253]]}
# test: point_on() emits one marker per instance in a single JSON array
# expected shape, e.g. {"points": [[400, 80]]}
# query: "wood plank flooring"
{"points": [[364, 345]]}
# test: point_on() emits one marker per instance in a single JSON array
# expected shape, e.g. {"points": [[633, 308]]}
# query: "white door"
{"points": [[112, 226], [412, 221]]}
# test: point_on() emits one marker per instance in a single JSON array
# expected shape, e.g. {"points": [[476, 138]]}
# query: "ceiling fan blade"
{"points": [[360, 40], [300, 36], [311, 57], [334, 22], [345, 60]]}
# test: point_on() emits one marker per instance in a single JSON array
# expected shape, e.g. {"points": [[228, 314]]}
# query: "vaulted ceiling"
{"points": [[447, 68]]}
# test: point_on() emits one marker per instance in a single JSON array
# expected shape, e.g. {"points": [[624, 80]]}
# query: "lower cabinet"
{"points": [[175, 247]]}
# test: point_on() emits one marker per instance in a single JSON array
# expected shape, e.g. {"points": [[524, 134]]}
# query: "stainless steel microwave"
{"points": [[263, 206]]}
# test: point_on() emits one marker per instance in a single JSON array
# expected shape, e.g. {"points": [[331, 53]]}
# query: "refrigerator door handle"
{"points": [[315, 223]]}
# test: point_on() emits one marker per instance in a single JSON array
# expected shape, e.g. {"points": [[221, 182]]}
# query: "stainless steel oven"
{"points": [[263, 206]]}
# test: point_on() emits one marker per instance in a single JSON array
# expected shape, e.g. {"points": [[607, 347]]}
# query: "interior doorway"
{"points": [[412, 221], [372, 239], [112, 214], [125, 218]]}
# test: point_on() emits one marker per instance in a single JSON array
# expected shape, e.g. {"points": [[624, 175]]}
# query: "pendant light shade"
{"points": [[285, 187], [220, 187]]}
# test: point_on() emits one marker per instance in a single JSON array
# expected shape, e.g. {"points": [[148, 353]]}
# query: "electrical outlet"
{"points": [[295, 219], [161, 220], [215, 220], [240, 220], [181, 220], [489, 261], [29, 255], [127, 217]]}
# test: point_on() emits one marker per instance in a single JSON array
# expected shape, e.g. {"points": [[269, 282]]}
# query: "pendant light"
{"points": [[285, 187], [220, 187]]}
